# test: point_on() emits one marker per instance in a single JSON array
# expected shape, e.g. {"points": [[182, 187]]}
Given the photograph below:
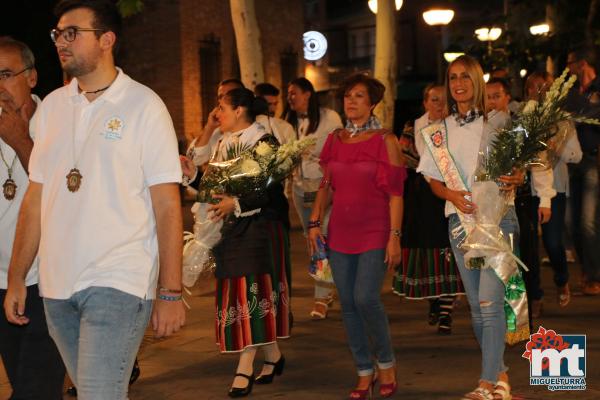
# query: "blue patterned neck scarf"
{"points": [[372, 123], [471, 116]]}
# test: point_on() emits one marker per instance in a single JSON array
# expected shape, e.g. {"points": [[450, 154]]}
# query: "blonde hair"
{"points": [[476, 74]]}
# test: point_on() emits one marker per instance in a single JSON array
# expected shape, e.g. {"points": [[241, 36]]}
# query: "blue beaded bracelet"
{"points": [[169, 298]]}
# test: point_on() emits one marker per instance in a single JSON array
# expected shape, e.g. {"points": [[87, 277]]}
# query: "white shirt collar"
{"points": [[109, 95]]}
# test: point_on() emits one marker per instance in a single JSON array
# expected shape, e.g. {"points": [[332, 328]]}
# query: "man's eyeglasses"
{"points": [[6, 75], [70, 33]]}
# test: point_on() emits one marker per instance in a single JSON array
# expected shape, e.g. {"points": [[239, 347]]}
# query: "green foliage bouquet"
{"points": [[520, 143]]}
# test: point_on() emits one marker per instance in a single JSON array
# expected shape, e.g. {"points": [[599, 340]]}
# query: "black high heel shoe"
{"points": [[242, 392], [277, 370], [135, 372]]}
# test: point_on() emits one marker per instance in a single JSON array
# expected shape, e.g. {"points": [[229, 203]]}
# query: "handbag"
{"points": [[319, 267]]}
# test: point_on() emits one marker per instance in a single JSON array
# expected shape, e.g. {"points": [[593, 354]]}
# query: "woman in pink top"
{"points": [[363, 180]]}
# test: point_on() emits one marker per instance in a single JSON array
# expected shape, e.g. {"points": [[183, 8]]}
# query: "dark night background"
{"points": [[30, 21]]}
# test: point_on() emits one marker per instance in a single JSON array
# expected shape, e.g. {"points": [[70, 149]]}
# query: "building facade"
{"points": [[183, 48]]}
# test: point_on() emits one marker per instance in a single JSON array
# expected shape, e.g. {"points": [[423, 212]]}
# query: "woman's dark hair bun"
{"points": [[259, 106], [242, 97]]}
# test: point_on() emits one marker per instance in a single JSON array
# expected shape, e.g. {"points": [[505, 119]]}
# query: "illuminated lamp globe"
{"points": [[437, 17], [373, 5]]}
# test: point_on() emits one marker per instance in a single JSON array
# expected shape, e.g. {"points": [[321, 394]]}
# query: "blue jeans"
{"points": [[358, 278], [553, 239], [322, 290], [585, 214], [98, 332], [485, 293]]}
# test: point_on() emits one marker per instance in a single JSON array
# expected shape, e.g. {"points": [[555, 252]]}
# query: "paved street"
{"points": [[430, 367]]}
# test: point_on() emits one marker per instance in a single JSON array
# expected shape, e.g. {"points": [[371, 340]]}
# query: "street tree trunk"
{"points": [[385, 59], [247, 37]]}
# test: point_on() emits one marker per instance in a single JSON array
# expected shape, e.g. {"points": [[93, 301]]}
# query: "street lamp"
{"points": [[449, 57], [438, 17], [523, 73], [373, 5], [488, 35], [540, 29], [452, 53]]}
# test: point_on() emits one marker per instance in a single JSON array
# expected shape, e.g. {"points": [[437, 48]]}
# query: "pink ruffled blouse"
{"points": [[362, 180]]}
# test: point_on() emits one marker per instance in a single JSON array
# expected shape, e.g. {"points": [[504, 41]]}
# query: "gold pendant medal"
{"points": [[74, 180], [9, 189]]}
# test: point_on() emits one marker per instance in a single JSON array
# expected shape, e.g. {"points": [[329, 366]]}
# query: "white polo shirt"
{"points": [[9, 209], [104, 234]]}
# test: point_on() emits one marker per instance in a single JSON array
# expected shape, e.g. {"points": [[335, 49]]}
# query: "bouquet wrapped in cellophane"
{"points": [[246, 169], [524, 142]]}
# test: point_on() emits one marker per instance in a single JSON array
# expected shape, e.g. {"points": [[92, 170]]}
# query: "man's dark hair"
{"points": [[106, 15], [587, 54], [232, 81], [502, 82], [265, 89]]}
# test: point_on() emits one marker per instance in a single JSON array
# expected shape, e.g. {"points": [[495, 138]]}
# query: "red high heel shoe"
{"points": [[387, 390], [364, 394]]}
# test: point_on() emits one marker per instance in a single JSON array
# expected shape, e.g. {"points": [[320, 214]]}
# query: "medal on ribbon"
{"points": [[9, 189]]}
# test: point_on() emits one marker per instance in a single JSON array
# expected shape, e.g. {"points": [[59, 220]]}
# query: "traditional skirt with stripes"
{"points": [[427, 273], [254, 310], [428, 268]]}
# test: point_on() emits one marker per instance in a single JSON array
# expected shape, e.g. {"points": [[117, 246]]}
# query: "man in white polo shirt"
{"points": [[103, 204], [31, 360]]}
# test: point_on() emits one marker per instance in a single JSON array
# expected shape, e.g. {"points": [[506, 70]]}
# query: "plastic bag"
{"points": [[319, 267], [197, 258]]}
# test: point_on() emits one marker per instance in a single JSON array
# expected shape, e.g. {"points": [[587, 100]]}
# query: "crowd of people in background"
{"points": [[377, 198]]}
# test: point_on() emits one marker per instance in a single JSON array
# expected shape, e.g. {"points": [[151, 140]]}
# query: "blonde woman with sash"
{"points": [[450, 162]]}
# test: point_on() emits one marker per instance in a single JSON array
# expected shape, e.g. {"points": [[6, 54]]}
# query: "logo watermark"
{"points": [[556, 361]]}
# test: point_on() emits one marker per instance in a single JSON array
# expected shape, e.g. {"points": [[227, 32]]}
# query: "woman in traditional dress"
{"points": [[308, 118], [363, 181], [253, 264], [428, 269], [468, 130]]}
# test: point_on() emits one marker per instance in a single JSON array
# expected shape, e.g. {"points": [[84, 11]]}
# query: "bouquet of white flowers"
{"points": [[247, 169], [539, 126]]}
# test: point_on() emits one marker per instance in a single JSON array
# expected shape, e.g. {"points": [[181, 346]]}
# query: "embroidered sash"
{"points": [[436, 139]]}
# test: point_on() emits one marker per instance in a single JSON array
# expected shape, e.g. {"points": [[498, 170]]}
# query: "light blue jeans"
{"points": [[322, 290], [98, 332], [485, 293], [358, 278]]}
